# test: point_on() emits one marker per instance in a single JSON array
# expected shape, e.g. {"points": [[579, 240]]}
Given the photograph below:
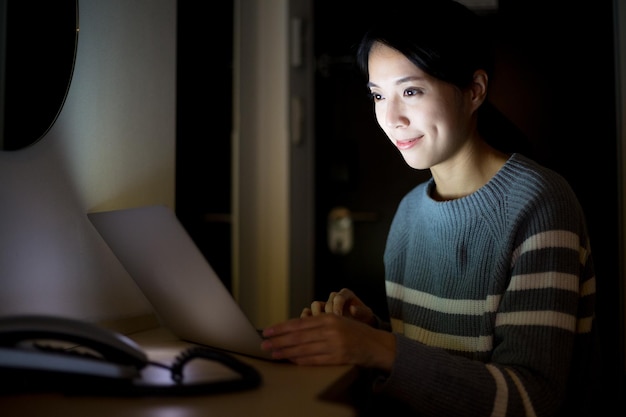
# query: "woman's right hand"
{"points": [[342, 303]]}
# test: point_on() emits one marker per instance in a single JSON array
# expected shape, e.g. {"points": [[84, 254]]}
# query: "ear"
{"points": [[479, 88]]}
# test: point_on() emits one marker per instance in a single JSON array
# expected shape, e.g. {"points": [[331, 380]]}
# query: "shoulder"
{"points": [[525, 178], [530, 190], [417, 193]]}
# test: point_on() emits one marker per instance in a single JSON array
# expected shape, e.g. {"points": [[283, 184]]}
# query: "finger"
{"points": [[293, 325], [339, 302], [328, 307], [301, 356], [346, 293], [317, 307], [362, 314], [318, 352], [306, 312]]}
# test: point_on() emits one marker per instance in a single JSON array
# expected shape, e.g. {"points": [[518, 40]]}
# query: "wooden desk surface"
{"points": [[286, 390]]}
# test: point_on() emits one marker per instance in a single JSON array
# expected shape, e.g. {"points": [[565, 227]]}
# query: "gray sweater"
{"points": [[491, 297]]}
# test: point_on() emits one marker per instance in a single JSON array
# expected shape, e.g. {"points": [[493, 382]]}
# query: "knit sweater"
{"points": [[491, 298]]}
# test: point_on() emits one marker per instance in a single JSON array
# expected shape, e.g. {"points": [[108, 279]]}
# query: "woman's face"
{"points": [[428, 120]]}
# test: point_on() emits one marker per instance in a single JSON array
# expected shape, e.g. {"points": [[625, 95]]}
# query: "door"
{"points": [[360, 176]]}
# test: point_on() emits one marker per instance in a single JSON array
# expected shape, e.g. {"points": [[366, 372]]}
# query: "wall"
{"points": [[113, 146], [272, 201], [260, 208]]}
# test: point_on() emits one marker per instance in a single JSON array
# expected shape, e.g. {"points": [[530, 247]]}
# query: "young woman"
{"points": [[489, 276]]}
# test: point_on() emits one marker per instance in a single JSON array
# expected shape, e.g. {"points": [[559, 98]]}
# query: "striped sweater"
{"points": [[491, 297]]}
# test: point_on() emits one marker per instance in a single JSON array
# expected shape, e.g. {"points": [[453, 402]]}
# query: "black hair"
{"points": [[450, 42], [443, 38]]}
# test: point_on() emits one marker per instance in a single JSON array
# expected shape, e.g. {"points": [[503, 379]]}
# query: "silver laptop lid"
{"points": [[185, 292]]}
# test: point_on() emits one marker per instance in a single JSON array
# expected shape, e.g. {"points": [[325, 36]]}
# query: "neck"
{"points": [[467, 173]]}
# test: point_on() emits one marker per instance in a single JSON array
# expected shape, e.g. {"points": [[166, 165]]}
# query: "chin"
{"points": [[419, 165]]}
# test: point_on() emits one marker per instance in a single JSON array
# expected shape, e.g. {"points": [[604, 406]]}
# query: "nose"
{"points": [[395, 115]]}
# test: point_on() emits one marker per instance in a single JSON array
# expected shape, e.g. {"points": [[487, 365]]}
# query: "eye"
{"points": [[375, 96], [413, 92]]}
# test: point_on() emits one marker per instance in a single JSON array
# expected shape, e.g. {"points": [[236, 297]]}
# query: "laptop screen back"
{"points": [[185, 292]]}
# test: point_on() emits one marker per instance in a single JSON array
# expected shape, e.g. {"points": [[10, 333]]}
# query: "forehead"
{"points": [[386, 64]]}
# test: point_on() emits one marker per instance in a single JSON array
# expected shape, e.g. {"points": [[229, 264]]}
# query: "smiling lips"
{"points": [[406, 144]]}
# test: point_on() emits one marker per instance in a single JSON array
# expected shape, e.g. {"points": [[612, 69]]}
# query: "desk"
{"points": [[287, 390]]}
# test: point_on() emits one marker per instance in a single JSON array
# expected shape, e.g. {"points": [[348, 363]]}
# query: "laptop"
{"points": [[185, 292]]}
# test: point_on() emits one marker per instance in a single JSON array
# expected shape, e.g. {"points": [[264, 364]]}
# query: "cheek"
{"points": [[378, 113]]}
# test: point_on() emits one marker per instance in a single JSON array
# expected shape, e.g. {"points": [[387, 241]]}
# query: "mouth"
{"points": [[407, 144]]}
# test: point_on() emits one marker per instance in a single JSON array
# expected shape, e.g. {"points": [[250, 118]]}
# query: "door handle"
{"points": [[341, 228], [340, 231]]}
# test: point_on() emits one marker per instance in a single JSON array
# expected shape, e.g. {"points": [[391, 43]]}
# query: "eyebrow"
{"points": [[401, 80]]}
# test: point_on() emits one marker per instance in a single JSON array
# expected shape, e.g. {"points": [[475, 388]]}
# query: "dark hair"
{"points": [[443, 38], [450, 42]]}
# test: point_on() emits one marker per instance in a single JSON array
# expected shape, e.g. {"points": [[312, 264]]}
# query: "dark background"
{"points": [[204, 125]]}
